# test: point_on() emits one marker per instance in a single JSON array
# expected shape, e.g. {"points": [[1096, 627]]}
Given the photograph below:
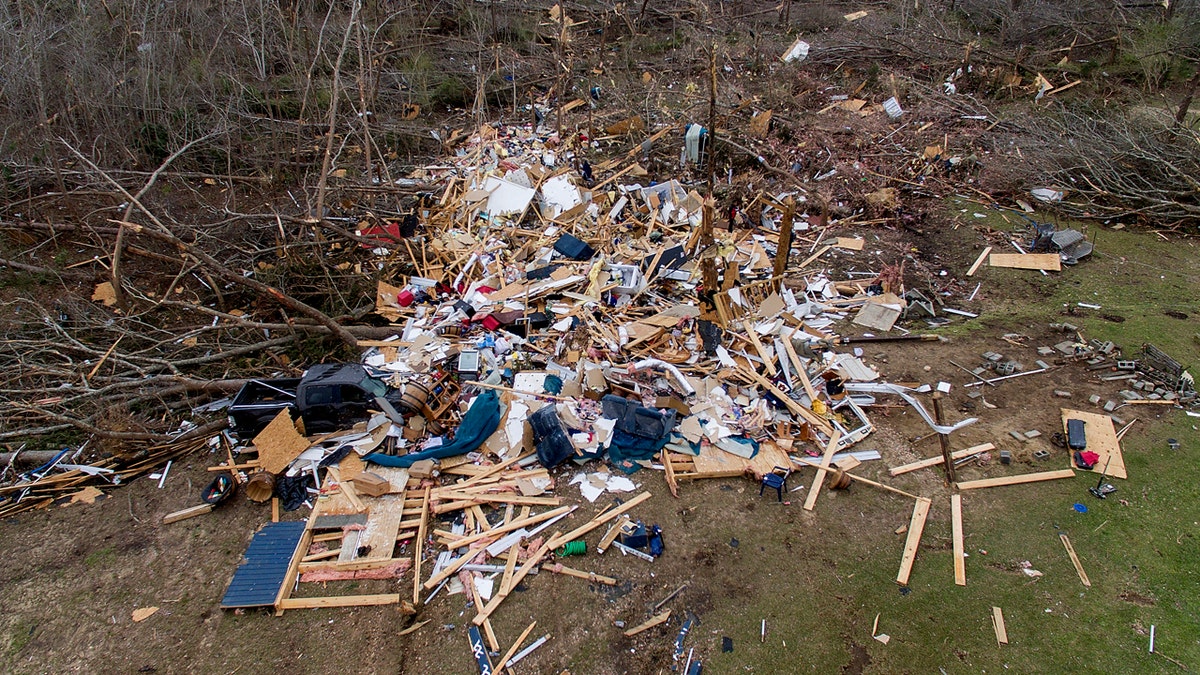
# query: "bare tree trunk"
{"points": [[319, 212], [1186, 104]]}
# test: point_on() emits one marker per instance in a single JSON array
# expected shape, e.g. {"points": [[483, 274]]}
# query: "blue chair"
{"points": [[776, 480]]}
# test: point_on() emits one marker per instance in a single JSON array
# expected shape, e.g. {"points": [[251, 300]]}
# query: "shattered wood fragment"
{"points": [[648, 624]]}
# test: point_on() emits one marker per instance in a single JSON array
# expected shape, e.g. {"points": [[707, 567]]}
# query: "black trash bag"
{"points": [[553, 443]]}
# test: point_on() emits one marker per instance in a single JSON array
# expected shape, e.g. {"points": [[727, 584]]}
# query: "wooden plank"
{"points": [[915, 527], [934, 461], [669, 471], [289, 578], [823, 250], [1026, 261], [796, 409], [611, 535], [998, 626], [979, 261], [1016, 480], [341, 601], [648, 624], [351, 566], [501, 594], [1075, 560], [420, 545], [558, 568], [515, 646], [758, 347], [493, 643], [510, 566], [514, 525], [956, 526], [800, 370], [815, 489], [500, 498], [597, 521], [189, 512], [1101, 439]]}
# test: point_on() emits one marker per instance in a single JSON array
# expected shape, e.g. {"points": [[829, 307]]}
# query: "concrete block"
{"points": [[1045, 351], [1017, 435], [1062, 394], [1110, 406], [1042, 364], [1094, 399], [1032, 433]]}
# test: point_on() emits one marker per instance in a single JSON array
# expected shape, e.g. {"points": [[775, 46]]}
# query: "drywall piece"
{"points": [[878, 316], [1027, 261], [506, 198]]}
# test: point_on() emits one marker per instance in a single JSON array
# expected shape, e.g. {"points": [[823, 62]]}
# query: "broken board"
{"points": [[1101, 439], [915, 528], [383, 517], [1027, 261]]}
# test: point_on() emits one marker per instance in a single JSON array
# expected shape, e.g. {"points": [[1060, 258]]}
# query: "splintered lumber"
{"points": [[1027, 261], [669, 470], [419, 550], [515, 646], [340, 601], [1075, 560], [612, 534], [979, 261], [190, 512], [809, 416], [1017, 480], [558, 568], [915, 528], [830, 449], [597, 521], [956, 526], [452, 568], [998, 626], [758, 347], [513, 525], [501, 594], [648, 624], [934, 461], [838, 471]]}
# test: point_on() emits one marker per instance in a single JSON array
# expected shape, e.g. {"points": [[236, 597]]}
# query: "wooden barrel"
{"points": [[415, 396], [838, 480], [260, 487]]}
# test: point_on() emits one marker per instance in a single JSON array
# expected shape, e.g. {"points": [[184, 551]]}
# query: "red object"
{"points": [[490, 322], [404, 298], [377, 234]]}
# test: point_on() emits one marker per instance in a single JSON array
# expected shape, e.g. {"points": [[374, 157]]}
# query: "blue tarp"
{"points": [[481, 421]]}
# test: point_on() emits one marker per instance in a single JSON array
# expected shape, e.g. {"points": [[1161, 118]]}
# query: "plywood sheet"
{"points": [[717, 462], [383, 516], [1101, 439], [279, 443]]}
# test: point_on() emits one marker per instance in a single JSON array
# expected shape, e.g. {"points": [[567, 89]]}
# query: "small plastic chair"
{"points": [[776, 480]]}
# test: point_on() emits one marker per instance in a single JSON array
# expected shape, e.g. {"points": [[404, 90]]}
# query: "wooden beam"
{"points": [[956, 526], [558, 568], [672, 484], [758, 347], [998, 626], [514, 525], [597, 521], [796, 409], [1075, 560], [501, 594], [915, 527], [419, 548], [189, 512], [815, 489], [934, 461], [648, 624], [1017, 480], [801, 373], [515, 646], [979, 261], [289, 577], [612, 534], [341, 601]]}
